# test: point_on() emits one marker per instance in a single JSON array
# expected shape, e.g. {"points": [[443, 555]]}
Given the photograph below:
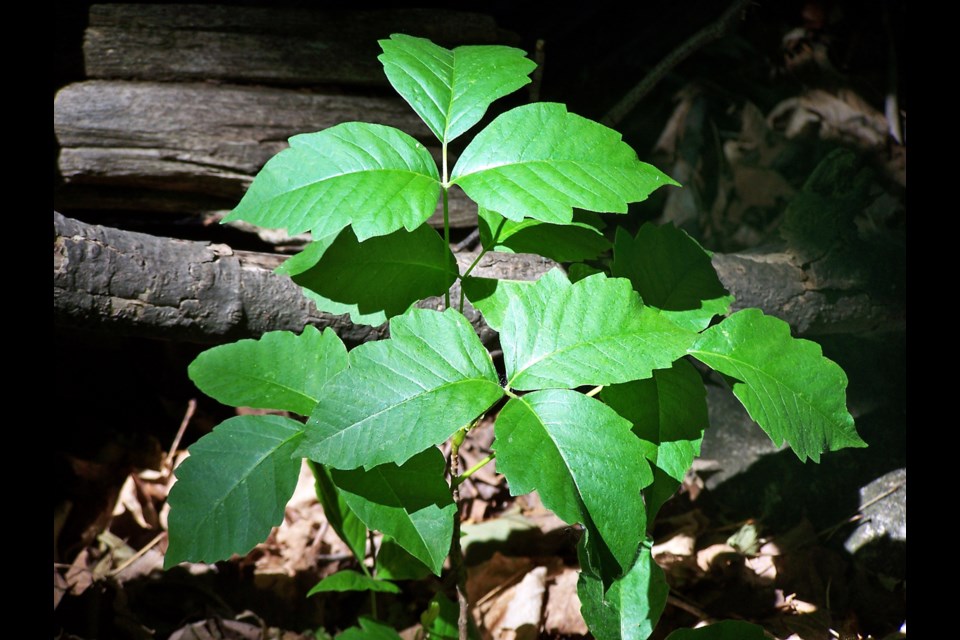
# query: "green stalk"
{"points": [[472, 470], [446, 223]]}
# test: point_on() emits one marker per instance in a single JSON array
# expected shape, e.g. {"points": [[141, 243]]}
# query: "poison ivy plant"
{"points": [[597, 408]]}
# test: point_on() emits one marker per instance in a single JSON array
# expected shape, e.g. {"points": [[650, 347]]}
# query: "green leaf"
{"points": [[451, 90], [562, 243], [786, 384], [233, 488], [596, 331], [444, 623], [341, 517], [314, 185], [671, 272], [280, 371], [395, 563], [410, 502], [630, 607], [582, 459], [668, 410], [539, 161], [492, 296], [380, 277], [402, 395], [578, 271], [726, 630], [369, 630], [347, 580]]}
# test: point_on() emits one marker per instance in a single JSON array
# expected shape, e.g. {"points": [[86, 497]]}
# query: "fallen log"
{"points": [[109, 280], [195, 147]]}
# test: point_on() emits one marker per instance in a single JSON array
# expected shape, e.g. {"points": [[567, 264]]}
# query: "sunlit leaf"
{"points": [[725, 630], [376, 178], [539, 161], [281, 370], [786, 384], [451, 90], [593, 332], [369, 630], [233, 488], [582, 459], [347, 580], [430, 378], [410, 502]]}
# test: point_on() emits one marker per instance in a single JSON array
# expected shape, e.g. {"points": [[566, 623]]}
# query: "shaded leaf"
{"points": [[725, 630], [630, 607], [347, 580], [671, 272], [380, 277], [402, 395], [563, 243], [539, 161], [444, 623], [578, 271], [668, 410], [280, 371], [410, 502], [451, 90], [786, 384], [395, 563], [582, 459], [369, 630], [341, 517], [313, 185], [593, 332], [492, 296], [233, 488]]}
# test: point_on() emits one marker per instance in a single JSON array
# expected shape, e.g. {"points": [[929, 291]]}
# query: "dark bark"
{"points": [[108, 280], [284, 46], [195, 147]]}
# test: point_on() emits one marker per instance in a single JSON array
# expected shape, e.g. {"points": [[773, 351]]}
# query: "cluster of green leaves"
{"points": [[376, 415]]}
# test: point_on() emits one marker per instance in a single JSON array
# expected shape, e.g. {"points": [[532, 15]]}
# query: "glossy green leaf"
{"points": [[786, 384], [233, 488], [539, 161], [380, 277], [451, 90], [347, 580], [402, 395], [396, 563], [671, 272], [492, 296], [376, 178], [369, 630], [630, 607], [410, 502], [725, 630], [338, 513], [596, 331], [668, 410], [579, 240], [582, 459], [280, 371]]}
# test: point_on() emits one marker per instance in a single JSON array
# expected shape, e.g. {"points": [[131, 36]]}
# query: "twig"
{"points": [[858, 514], [129, 561], [706, 35], [700, 614], [191, 407], [459, 570], [537, 78]]}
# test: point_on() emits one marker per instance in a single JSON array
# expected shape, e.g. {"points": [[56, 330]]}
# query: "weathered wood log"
{"points": [[263, 45], [108, 280], [146, 145]]}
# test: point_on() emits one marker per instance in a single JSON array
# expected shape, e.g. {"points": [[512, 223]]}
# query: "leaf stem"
{"points": [[466, 273], [456, 553], [469, 472], [594, 391], [446, 219]]}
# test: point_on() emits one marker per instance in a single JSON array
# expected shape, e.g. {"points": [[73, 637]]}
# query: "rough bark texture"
{"points": [[195, 147], [108, 280], [261, 44]]}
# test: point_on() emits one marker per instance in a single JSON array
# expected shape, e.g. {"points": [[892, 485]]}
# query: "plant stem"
{"points": [[446, 222], [456, 554], [466, 273], [469, 472], [594, 391]]}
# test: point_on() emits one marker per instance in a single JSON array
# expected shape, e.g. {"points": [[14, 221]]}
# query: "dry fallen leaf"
{"points": [[563, 606]]}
